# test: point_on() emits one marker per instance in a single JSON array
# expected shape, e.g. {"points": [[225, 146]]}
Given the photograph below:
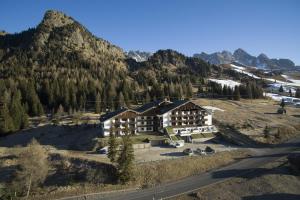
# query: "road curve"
{"points": [[168, 190]]}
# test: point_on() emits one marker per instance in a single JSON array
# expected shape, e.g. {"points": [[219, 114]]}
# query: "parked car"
{"points": [[200, 151], [102, 151], [179, 144], [209, 150], [188, 151]]}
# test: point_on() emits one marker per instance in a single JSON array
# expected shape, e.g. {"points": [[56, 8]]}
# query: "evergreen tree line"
{"points": [[14, 111], [247, 91]]}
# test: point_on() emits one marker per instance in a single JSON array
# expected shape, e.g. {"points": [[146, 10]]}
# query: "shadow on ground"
{"points": [[282, 169], [61, 137], [276, 196], [175, 154]]}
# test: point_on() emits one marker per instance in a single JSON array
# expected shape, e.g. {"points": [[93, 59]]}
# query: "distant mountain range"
{"points": [[241, 56]]}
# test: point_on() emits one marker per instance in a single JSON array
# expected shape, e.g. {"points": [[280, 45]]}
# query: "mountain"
{"points": [[59, 66], [54, 42], [217, 58], [241, 56], [139, 56]]}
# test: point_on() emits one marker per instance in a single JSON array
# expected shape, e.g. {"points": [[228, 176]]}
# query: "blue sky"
{"points": [[189, 26]]}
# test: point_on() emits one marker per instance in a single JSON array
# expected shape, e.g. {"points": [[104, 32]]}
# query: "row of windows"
{"points": [[187, 112], [180, 123], [148, 117], [124, 119], [190, 117], [146, 129]]}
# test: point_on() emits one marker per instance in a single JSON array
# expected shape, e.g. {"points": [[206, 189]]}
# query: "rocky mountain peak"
{"points": [[139, 56], [240, 51], [262, 56], [54, 19], [63, 37]]}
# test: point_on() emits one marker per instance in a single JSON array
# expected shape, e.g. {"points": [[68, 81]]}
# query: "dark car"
{"points": [[209, 150], [188, 151]]}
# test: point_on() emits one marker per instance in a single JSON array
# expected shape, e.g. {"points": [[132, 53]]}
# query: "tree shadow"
{"points": [[250, 173], [296, 116], [173, 154], [6, 173], [276, 196], [80, 171], [273, 113], [78, 137]]}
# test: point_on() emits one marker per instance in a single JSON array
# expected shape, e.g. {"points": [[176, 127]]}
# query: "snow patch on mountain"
{"points": [[227, 82]]}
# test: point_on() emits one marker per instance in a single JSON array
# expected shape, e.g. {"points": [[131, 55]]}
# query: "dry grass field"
{"points": [[274, 181], [250, 117], [146, 174]]}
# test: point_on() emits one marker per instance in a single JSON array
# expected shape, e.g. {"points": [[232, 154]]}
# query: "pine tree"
{"points": [[6, 122], [225, 91], [120, 101], [25, 120], [230, 93], [35, 106], [280, 89], [148, 98], [98, 103], [236, 93], [297, 95], [249, 91], [189, 92], [125, 160], [200, 89], [16, 110], [112, 147], [282, 104]]}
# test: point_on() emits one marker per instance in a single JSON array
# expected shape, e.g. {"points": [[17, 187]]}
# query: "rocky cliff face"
{"points": [[217, 58], [139, 56], [58, 38]]}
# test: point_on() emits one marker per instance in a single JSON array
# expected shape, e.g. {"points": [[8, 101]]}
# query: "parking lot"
{"points": [[163, 152]]}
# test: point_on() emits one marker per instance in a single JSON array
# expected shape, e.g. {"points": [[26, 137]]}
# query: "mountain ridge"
{"points": [[262, 61]]}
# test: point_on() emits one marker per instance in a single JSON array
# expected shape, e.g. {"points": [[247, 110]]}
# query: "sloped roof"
{"points": [[110, 115], [148, 106], [171, 106], [175, 105]]}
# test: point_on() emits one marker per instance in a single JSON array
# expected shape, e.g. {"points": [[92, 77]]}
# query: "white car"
{"points": [[179, 144]]}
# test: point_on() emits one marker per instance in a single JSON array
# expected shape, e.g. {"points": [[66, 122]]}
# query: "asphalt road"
{"points": [[165, 191]]}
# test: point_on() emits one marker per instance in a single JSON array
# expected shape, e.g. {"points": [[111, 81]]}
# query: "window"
{"points": [[149, 128]]}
